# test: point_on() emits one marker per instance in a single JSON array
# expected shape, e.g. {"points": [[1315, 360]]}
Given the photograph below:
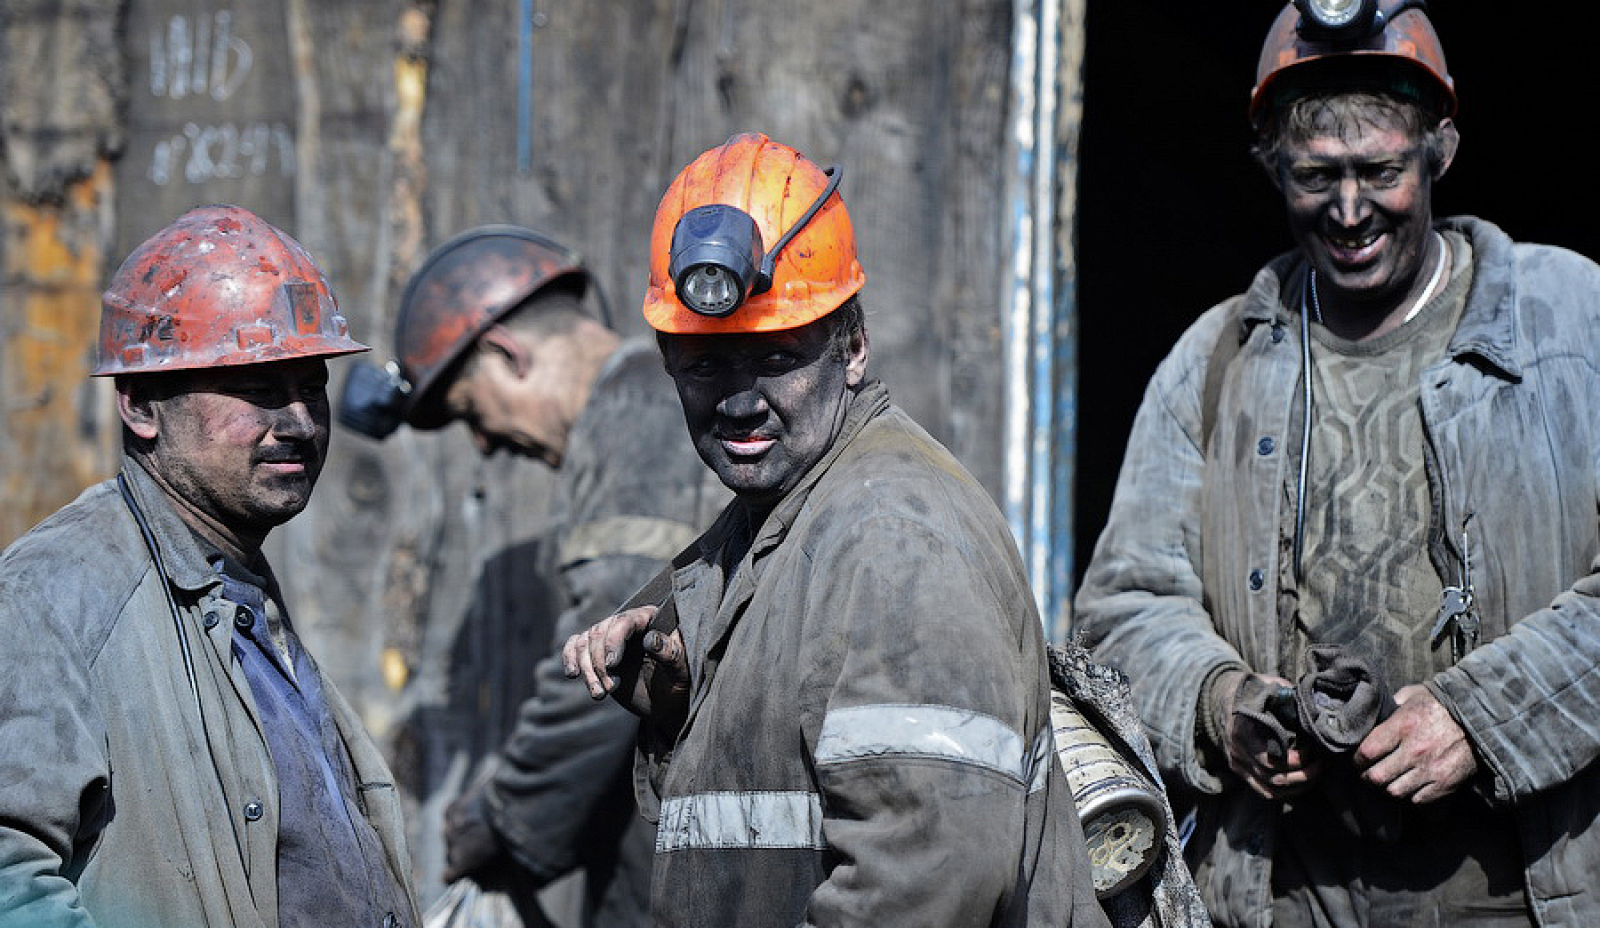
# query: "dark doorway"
{"points": [[1173, 216]]}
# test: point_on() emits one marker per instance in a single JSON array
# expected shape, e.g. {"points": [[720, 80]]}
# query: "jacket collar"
{"points": [[185, 556], [869, 401], [1487, 329]]}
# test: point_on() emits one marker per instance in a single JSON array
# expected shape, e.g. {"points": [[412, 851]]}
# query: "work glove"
{"points": [[470, 841], [1245, 714]]}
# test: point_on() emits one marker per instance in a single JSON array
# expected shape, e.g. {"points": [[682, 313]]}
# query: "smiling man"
{"points": [[847, 699], [1350, 564], [170, 753]]}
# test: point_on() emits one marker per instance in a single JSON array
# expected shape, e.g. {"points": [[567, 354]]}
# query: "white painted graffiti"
{"points": [[198, 55], [203, 153]]}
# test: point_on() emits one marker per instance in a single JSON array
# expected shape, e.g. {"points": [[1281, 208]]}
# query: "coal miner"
{"points": [[504, 330], [1351, 561], [846, 695], [170, 753]]}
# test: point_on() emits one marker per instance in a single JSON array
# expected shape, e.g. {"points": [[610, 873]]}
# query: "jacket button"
{"points": [[1257, 579], [1277, 333], [253, 811], [242, 617], [212, 619], [1264, 446]]}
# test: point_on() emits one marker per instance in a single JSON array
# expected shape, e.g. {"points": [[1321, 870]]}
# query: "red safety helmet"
{"points": [[465, 286], [1395, 31], [754, 233], [218, 287]]}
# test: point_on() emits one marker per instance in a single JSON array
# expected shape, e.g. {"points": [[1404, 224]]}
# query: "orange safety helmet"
{"points": [[1396, 30], [714, 225], [219, 287]]}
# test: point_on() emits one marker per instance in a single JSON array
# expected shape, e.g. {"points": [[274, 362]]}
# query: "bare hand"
{"points": [[1419, 753], [1269, 774], [645, 669]]}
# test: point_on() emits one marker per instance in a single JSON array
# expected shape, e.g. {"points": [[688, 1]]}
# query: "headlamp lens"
{"points": [[715, 250], [1334, 13], [1337, 20], [710, 290]]}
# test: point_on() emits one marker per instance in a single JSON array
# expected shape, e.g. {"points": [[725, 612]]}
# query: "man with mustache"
{"points": [[503, 330], [847, 697], [170, 753], [1367, 487]]}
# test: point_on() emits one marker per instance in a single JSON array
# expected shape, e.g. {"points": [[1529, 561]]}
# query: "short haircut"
{"points": [[1344, 95], [846, 325], [553, 310]]}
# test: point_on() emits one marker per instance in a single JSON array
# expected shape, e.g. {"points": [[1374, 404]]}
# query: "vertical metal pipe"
{"points": [[525, 86], [1038, 314]]}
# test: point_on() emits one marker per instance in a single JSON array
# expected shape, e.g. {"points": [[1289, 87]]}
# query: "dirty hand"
{"points": [[1419, 753], [1255, 751], [645, 669], [470, 841]]}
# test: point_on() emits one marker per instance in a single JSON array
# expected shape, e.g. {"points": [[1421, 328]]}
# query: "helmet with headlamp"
{"points": [[465, 286], [1311, 35], [712, 269]]}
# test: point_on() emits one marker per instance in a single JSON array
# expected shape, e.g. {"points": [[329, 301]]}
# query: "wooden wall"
{"points": [[374, 129]]}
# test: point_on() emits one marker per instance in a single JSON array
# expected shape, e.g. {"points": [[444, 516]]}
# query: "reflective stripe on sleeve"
{"points": [[645, 536], [935, 732], [772, 820], [1044, 757]]}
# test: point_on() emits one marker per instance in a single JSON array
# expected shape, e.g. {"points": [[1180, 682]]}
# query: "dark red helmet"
{"points": [[464, 286], [1398, 31], [218, 287]]}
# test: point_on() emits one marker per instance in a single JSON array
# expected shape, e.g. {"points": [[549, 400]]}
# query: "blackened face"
{"points": [[243, 446], [1360, 207], [763, 408]]}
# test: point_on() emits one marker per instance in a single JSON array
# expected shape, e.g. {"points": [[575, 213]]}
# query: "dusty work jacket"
{"points": [[126, 800], [1184, 579], [868, 742], [632, 493]]}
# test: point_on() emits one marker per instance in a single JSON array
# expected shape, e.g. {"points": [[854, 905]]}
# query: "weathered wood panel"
{"points": [[61, 76]]}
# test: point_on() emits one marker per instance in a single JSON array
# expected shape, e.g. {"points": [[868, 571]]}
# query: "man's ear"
{"points": [[137, 408], [855, 367], [1449, 141], [499, 340]]}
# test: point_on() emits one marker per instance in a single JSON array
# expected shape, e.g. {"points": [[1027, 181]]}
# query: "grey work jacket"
{"points": [[1184, 578], [869, 737], [122, 804], [561, 796]]}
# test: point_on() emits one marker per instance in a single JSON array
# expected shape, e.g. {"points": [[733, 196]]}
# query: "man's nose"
{"points": [[1350, 202], [294, 421], [744, 404]]}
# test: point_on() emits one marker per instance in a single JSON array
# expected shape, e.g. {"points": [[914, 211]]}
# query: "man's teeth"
{"points": [[1354, 243]]}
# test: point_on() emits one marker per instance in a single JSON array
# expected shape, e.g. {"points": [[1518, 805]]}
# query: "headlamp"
{"points": [[1338, 20], [717, 260], [373, 399]]}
